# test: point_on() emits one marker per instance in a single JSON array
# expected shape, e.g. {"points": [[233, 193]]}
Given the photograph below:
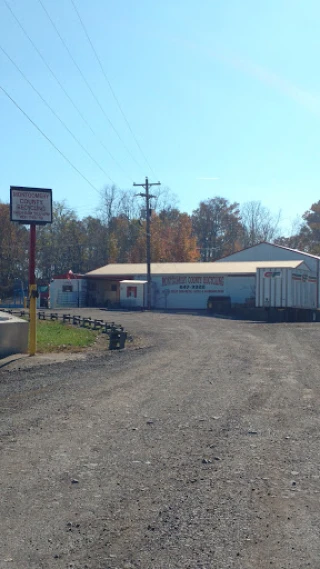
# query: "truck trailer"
{"points": [[291, 291]]}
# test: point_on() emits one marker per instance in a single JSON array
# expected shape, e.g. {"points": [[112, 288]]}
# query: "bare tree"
{"points": [[110, 207], [259, 223], [116, 202], [164, 200]]}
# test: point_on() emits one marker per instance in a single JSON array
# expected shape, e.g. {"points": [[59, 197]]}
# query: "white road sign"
{"points": [[30, 205]]}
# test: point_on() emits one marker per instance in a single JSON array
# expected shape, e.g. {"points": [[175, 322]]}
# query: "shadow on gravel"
{"points": [[254, 316], [250, 316], [10, 359]]}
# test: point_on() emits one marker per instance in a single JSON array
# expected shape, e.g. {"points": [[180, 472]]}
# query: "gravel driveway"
{"points": [[197, 447]]}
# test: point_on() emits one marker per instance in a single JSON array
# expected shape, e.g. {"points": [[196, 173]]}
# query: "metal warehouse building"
{"points": [[276, 253], [188, 285]]}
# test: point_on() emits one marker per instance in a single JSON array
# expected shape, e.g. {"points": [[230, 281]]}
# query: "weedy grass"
{"points": [[58, 336]]}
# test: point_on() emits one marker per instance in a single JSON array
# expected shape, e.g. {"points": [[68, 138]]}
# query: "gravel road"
{"points": [[197, 447]]}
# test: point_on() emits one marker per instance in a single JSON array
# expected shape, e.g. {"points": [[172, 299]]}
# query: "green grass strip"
{"points": [[58, 336]]}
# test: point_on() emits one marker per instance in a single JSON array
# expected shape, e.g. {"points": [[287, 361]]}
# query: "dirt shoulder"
{"points": [[199, 450]]}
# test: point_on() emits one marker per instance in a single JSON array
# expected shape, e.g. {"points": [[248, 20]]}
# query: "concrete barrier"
{"points": [[13, 335]]}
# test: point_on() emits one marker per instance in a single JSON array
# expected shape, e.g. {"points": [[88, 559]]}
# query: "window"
{"points": [[67, 288], [132, 292], [114, 288]]}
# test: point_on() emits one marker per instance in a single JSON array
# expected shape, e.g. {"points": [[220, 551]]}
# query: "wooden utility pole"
{"points": [[148, 196]]}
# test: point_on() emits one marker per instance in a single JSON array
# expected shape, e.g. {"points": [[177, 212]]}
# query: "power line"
{"points": [[61, 86], [55, 114], [109, 84], [112, 91], [84, 79], [49, 140]]}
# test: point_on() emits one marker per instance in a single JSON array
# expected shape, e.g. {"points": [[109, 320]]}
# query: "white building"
{"points": [[68, 293], [185, 285]]}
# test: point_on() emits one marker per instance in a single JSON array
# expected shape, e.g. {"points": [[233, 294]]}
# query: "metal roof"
{"points": [[296, 251], [238, 267], [133, 281], [276, 245]]}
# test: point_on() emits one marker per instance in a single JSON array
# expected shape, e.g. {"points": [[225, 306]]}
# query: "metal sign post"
{"points": [[31, 206], [33, 294]]}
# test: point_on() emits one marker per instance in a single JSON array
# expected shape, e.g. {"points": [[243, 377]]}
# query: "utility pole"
{"points": [[148, 196]]}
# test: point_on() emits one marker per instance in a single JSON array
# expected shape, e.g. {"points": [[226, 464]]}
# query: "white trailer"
{"points": [[133, 294], [286, 288]]}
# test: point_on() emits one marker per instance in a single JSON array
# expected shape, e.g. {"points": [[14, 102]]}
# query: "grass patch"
{"points": [[57, 336]]}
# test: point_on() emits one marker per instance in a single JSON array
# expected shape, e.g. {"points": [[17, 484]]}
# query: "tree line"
{"points": [[117, 234]]}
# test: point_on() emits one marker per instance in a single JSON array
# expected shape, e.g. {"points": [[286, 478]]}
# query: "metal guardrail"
{"points": [[116, 332], [14, 312]]}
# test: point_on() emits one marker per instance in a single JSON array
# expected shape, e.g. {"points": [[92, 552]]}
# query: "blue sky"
{"points": [[223, 97]]}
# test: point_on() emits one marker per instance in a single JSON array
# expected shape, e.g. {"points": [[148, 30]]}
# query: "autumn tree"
{"points": [[61, 244], [217, 227], [96, 247], [179, 244], [306, 232], [172, 239], [117, 210], [123, 214], [123, 233], [14, 254], [310, 232]]}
